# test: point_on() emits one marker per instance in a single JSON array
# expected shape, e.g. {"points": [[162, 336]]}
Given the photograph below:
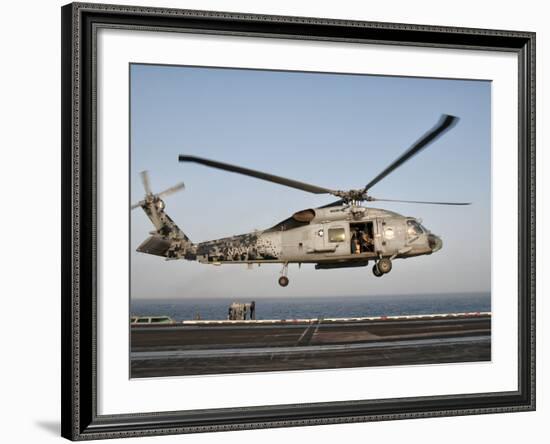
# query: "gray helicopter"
{"points": [[341, 234]]}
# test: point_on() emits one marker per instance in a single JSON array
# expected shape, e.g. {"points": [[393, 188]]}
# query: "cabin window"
{"points": [[143, 321], [413, 228], [336, 234]]}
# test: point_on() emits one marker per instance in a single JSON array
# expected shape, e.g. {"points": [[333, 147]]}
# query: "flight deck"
{"points": [[222, 346]]}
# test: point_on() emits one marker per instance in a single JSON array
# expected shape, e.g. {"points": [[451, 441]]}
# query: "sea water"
{"points": [[326, 307]]}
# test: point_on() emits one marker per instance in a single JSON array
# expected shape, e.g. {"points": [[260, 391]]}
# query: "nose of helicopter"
{"points": [[435, 242]]}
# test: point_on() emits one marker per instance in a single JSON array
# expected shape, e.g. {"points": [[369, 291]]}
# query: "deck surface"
{"points": [[199, 348]]}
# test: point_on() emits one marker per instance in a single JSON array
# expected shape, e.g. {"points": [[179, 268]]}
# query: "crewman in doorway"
{"points": [[366, 242], [355, 244]]}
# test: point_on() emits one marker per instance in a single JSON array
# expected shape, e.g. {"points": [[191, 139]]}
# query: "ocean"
{"points": [[300, 308]]}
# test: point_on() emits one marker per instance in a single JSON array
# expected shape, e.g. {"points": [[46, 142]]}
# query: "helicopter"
{"points": [[341, 234]]}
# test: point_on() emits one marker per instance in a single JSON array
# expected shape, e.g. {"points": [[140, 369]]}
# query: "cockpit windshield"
{"points": [[414, 228]]}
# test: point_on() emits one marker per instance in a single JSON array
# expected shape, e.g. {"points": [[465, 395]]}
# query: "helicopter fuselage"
{"points": [[334, 237]]}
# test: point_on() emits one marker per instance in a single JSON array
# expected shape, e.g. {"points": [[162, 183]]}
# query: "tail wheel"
{"points": [[283, 281], [384, 265], [376, 271]]}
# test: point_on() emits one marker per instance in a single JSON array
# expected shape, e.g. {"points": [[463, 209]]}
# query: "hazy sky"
{"points": [[333, 130]]}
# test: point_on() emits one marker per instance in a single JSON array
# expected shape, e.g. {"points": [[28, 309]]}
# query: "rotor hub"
{"points": [[357, 195]]}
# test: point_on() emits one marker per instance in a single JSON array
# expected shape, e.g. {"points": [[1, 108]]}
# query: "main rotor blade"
{"points": [[145, 180], [257, 174], [374, 199], [171, 190], [445, 123]]}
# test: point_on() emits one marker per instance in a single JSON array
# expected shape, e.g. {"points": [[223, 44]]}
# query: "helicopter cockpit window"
{"points": [[336, 234], [414, 228]]}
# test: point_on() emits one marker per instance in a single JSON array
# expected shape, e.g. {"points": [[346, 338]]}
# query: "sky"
{"points": [[332, 130]]}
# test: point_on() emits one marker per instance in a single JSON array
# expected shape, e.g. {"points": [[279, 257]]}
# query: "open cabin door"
{"points": [[362, 237]]}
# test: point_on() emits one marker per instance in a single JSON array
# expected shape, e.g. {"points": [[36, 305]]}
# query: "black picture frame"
{"points": [[79, 209]]}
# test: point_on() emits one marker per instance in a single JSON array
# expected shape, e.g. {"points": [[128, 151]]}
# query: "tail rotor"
{"points": [[153, 204], [171, 190], [146, 183], [150, 197]]}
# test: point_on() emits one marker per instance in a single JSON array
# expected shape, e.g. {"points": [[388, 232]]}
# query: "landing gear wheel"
{"points": [[283, 281], [384, 265], [376, 271]]}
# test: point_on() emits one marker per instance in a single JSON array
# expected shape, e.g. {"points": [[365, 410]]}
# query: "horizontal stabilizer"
{"points": [[155, 245]]}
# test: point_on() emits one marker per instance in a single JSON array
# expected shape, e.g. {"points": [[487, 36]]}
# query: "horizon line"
{"points": [[314, 296]]}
